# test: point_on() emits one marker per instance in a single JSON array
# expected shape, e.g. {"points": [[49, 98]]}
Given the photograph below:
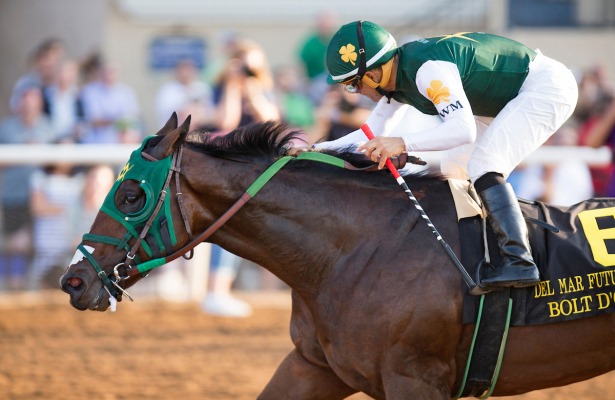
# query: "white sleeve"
{"points": [[383, 121], [440, 82]]}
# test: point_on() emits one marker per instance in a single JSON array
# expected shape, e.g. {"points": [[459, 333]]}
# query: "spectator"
{"points": [[45, 62], [594, 89], [245, 94], [89, 67], [110, 108], [29, 125], [597, 131], [312, 55], [186, 95], [595, 94], [62, 103], [54, 198]]}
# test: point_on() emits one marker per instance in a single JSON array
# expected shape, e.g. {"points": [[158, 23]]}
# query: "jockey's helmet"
{"points": [[356, 43]]}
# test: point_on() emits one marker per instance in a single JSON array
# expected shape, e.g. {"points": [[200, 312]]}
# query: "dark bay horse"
{"points": [[377, 304]]}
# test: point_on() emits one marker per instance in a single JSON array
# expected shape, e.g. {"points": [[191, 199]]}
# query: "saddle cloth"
{"points": [[576, 263]]}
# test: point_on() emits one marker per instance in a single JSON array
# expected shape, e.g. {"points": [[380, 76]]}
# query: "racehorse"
{"points": [[377, 305]]}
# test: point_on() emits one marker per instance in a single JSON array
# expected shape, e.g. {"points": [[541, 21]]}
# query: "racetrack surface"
{"points": [[158, 350]]}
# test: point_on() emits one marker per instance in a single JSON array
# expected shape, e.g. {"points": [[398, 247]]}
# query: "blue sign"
{"points": [[165, 52]]}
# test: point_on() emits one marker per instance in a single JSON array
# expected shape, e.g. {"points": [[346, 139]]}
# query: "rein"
{"points": [[254, 188]]}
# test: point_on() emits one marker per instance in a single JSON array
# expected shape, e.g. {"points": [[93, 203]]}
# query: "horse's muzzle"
{"points": [[76, 288]]}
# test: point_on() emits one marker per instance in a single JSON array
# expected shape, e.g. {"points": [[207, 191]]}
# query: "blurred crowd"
{"points": [[43, 208], [46, 209]]}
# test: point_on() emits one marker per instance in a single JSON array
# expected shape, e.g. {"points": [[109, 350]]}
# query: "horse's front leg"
{"points": [[298, 379]]}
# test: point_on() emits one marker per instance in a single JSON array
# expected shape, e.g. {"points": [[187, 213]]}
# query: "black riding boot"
{"points": [[518, 268]]}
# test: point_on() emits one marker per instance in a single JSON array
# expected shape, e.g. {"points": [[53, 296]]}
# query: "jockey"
{"points": [[496, 101]]}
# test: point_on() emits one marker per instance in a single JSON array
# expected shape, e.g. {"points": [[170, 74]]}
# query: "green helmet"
{"points": [[343, 58]]}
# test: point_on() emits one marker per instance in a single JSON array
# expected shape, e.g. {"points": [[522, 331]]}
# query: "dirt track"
{"points": [[154, 350]]}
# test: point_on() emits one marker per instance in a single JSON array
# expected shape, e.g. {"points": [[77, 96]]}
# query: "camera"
{"points": [[247, 71]]}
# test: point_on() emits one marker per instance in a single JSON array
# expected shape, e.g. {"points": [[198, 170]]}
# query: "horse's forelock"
{"points": [[259, 140]]}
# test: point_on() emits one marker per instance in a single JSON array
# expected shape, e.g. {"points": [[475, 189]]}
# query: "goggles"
{"points": [[352, 85]]}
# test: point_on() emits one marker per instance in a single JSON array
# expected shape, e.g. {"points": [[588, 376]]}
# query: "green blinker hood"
{"points": [[152, 176]]}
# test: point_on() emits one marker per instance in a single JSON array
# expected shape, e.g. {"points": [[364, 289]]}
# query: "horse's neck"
{"points": [[279, 230], [297, 228]]}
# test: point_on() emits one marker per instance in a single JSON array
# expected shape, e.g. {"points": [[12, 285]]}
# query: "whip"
{"points": [[474, 288]]}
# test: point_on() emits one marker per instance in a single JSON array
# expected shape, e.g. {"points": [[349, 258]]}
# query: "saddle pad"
{"points": [[576, 264]]}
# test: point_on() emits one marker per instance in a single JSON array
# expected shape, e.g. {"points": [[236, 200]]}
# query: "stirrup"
{"points": [[509, 276], [484, 289]]}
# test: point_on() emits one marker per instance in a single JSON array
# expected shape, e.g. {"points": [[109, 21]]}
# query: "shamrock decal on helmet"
{"points": [[348, 53]]}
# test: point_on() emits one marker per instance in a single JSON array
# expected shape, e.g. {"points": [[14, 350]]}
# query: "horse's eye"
{"points": [[131, 199]]}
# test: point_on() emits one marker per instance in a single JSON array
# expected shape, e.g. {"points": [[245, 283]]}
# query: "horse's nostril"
{"points": [[73, 284]]}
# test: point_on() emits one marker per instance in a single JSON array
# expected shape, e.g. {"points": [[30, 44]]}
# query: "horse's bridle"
{"points": [[116, 286]]}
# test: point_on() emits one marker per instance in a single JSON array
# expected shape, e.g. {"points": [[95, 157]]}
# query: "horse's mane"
{"points": [[269, 141]]}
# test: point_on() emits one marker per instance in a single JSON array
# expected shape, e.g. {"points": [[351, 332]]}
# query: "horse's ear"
{"points": [[169, 126], [171, 140]]}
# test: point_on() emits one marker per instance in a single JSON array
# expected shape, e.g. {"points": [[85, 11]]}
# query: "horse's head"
{"points": [[135, 223]]}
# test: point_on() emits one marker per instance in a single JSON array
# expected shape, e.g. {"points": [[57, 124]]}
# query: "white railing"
{"points": [[83, 154], [549, 155], [88, 154]]}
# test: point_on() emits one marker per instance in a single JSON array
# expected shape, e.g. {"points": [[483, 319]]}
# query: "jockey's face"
{"points": [[366, 86]]}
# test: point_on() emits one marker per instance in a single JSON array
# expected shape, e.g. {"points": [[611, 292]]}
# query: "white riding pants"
{"points": [[545, 101]]}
